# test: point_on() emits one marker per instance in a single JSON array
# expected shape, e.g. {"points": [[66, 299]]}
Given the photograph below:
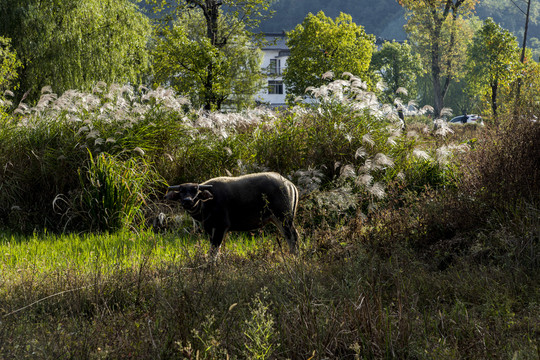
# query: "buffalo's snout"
{"points": [[186, 194], [171, 196], [187, 202]]}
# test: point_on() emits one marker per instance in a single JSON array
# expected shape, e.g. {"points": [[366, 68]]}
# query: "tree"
{"points": [[73, 44], [8, 66], [398, 67], [492, 61], [248, 14], [321, 44], [523, 49], [438, 30], [184, 55]]}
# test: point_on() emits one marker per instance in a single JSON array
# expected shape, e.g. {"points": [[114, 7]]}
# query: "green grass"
{"points": [[413, 245], [146, 296], [43, 253]]}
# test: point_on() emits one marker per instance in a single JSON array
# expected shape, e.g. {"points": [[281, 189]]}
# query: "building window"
{"points": [[275, 67], [275, 87]]}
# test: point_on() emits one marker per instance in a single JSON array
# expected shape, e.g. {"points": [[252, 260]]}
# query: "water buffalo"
{"points": [[240, 204]]}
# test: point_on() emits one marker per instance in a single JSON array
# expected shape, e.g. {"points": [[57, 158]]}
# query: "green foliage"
{"points": [[492, 62], [223, 60], [398, 67], [211, 75], [44, 147], [9, 65], [74, 44], [439, 260], [250, 11], [260, 329], [113, 192], [321, 45], [440, 31]]}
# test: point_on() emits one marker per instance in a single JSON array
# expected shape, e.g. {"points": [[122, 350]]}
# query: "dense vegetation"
{"points": [[415, 244], [419, 240]]}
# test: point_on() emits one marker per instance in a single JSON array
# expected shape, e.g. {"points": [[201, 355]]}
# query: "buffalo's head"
{"points": [[189, 194]]}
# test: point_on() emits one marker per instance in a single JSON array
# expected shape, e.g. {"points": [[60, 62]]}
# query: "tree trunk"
{"points": [[494, 88], [435, 66], [518, 89], [210, 9]]}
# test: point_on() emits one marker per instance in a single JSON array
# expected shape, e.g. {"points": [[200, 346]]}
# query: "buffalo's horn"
{"points": [[174, 188]]}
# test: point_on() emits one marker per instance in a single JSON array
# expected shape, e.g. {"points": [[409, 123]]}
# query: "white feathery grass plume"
{"points": [[364, 180], [427, 109], [367, 167], [82, 129], [412, 104], [46, 89], [381, 86], [421, 154], [9, 93], [442, 128], [139, 151], [443, 154], [368, 140], [92, 134], [446, 111], [21, 109], [328, 75], [45, 100], [412, 133], [100, 87], [360, 152], [383, 160], [402, 90], [347, 171], [377, 190]]}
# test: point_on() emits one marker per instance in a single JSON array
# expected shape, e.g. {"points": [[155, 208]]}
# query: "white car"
{"points": [[467, 119]]}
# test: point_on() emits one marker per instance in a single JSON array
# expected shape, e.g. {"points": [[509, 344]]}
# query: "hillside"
{"points": [[385, 18]]}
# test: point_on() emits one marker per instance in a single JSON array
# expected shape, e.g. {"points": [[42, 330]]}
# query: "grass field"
{"points": [[155, 296], [415, 244]]}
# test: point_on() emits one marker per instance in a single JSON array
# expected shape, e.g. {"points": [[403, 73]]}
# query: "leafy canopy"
{"points": [[8, 65], [440, 31], [185, 58], [212, 61], [493, 61], [73, 44], [398, 67], [321, 44]]}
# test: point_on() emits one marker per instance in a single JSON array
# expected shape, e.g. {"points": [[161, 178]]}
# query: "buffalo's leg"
{"points": [[216, 238], [290, 234]]}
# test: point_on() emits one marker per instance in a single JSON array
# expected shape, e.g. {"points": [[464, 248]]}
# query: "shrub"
{"points": [[113, 192]]}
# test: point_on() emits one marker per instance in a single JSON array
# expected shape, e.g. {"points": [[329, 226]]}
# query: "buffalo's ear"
{"points": [[205, 195]]}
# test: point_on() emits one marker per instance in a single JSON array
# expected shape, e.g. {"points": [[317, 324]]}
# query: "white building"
{"points": [[275, 58]]}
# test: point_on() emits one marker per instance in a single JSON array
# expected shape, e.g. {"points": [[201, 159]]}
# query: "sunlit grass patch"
{"points": [[43, 253]]}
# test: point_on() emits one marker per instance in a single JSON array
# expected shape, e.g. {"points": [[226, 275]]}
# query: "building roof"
{"points": [[276, 41]]}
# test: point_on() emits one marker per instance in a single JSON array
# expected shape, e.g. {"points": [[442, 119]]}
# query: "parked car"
{"points": [[467, 119]]}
